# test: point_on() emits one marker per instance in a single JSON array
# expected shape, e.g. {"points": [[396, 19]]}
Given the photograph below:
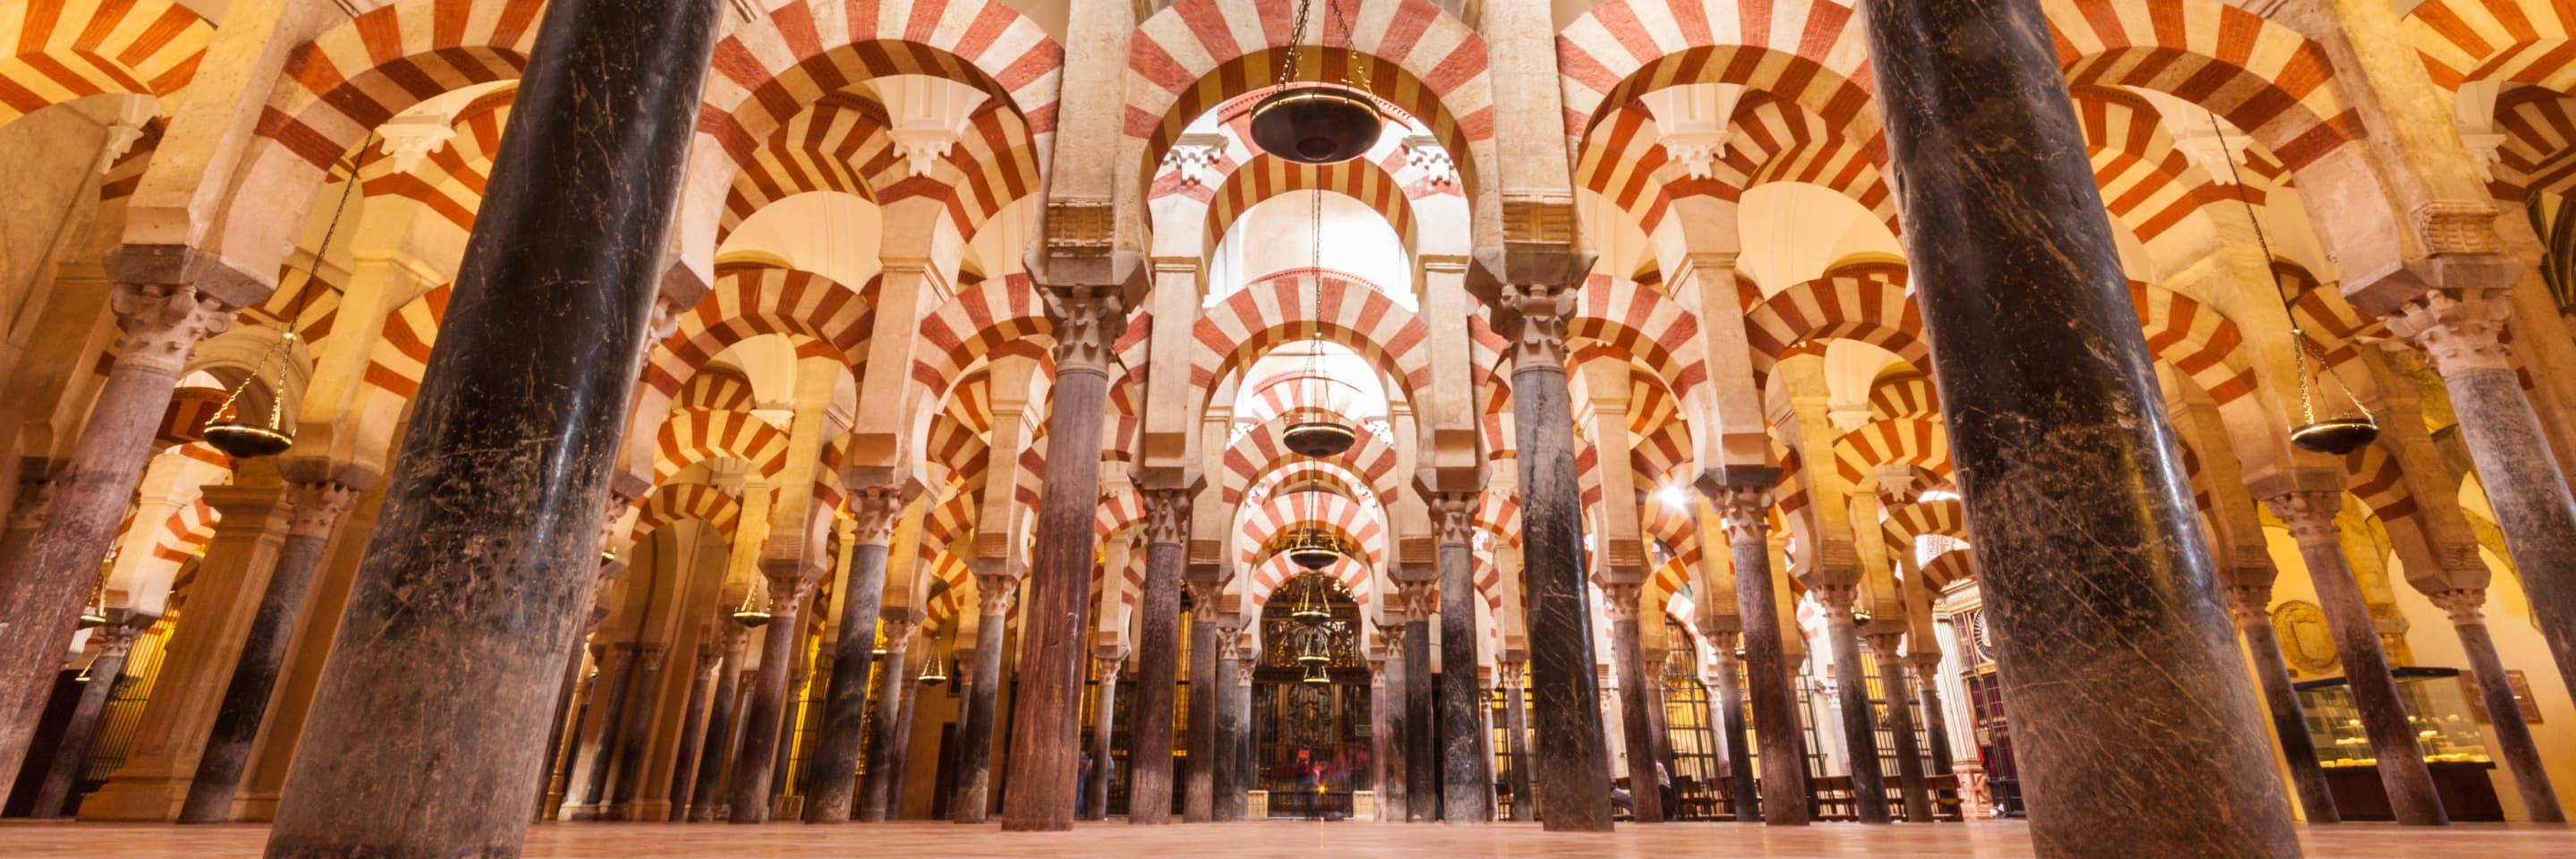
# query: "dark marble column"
{"points": [[693, 729], [2461, 326], [1516, 729], [832, 788], [800, 674], [1158, 648], [559, 741], [1047, 709], [2512, 735], [1851, 701], [2056, 428], [1636, 722], [1467, 780], [2251, 602], [1386, 755], [715, 754], [616, 677], [903, 723], [635, 731], [1574, 763], [765, 717], [1900, 724], [1742, 495], [894, 677], [115, 641], [1198, 799], [1104, 709], [1227, 801], [2310, 515], [508, 448], [1421, 746], [40, 599], [1726, 697], [1927, 691], [970, 801]]}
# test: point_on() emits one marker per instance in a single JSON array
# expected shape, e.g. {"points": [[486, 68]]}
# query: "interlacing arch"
{"points": [[450, 180], [1268, 176], [2525, 41], [1264, 450], [1769, 140], [2539, 151], [971, 325], [1304, 392], [1955, 565], [1266, 577], [1912, 441], [2262, 76], [1639, 323], [1905, 393], [2376, 479], [1903, 523], [1282, 307], [2338, 328], [64, 50], [1868, 303], [692, 436], [2146, 183], [1810, 52], [2195, 339], [1361, 525], [717, 388], [750, 301], [672, 502], [843, 143]]}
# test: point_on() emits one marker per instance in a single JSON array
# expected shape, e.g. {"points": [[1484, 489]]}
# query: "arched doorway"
{"points": [[1310, 702]]}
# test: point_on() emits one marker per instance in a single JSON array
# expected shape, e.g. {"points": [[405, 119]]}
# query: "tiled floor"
{"points": [[19, 840]]}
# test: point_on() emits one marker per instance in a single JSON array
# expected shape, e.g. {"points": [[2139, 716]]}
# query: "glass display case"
{"points": [[2446, 734]]}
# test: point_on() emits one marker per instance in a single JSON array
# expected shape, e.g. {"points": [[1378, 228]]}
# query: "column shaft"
{"points": [[1851, 699], [1421, 744], [764, 718], [1228, 803], [1635, 701], [902, 751], [715, 754], [635, 731], [2289, 718], [2055, 428], [1393, 769], [1574, 764], [116, 641], [833, 785], [1743, 498], [567, 698], [693, 727], [1516, 725], [616, 677], [1900, 724], [893, 677], [1104, 705], [2402, 772], [971, 800], [1936, 724], [1728, 700], [1198, 803], [2495, 689], [1467, 781], [1158, 648]]}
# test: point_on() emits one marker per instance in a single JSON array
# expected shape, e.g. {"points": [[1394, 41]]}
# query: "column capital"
{"points": [[1836, 598], [1620, 600], [1167, 515], [315, 508], [1453, 516], [994, 592], [2459, 330], [649, 655], [874, 510], [115, 639], [162, 322], [2250, 603], [1509, 673], [1421, 597], [1204, 595], [2309, 513], [2466, 606], [1088, 320], [1541, 311], [899, 626], [1885, 643]]}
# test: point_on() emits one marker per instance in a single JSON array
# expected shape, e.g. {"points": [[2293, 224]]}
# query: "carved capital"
{"points": [[316, 508], [1204, 594], [115, 640], [1542, 311], [898, 634], [2456, 226], [1510, 674], [1619, 601], [162, 322], [649, 656], [1167, 515], [873, 513], [35, 496], [1421, 597], [2466, 606], [2310, 514], [1087, 320], [2460, 331], [1885, 644], [1453, 517], [993, 594], [1837, 599], [2251, 604]]}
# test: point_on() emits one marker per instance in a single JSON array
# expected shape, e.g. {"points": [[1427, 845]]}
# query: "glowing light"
{"points": [[1673, 496], [1939, 495]]}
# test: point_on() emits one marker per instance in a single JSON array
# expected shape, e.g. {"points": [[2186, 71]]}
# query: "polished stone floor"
{"points": [[22, 840]]}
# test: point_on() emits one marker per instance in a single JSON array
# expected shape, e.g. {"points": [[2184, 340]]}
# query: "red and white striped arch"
{"points": [[750, 301], [693, 436], [1362, 525], [673, 502], [1267, 176], [2262, 76], [1291, 304], [2525, 41], [1912, 441], [1871, 304], [62, 50], [1806, 51], [1275, 570], [2539, 151], [1265, 450], [1905, 394], [2146, 183]]}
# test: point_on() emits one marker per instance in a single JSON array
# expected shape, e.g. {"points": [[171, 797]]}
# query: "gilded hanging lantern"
{"points": [[227, 431], [752, 613], [1319, 438], [1309, 608], [1313, 548], [1316, 125]]}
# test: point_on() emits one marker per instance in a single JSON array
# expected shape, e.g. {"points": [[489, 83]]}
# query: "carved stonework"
{"points": [[2466, 606], [1543, 310], [1740, 511], [1884, 644], [649, 657], [1424, 153], [2305, 640], [2459, 333], [1421, 598], [1193, 158], [1540, 219], [1087, 320], [873, 513], [163, 321], [1167, 516], [34, 498], [115, 640], [2456, 227], [1511, 674], [898, 636], [1081, 224], [1203, 599], [2251, 604], [1837, 599], [1453, 517], [2309, 515], [1619, 601], [316, 508], [993, 594]]}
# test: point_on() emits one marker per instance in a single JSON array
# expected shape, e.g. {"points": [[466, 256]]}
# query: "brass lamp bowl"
{"points": [[1319, 438], [754, 618], [2337, 436], [1313, 557], [1316, 125], [92, 618], [243, 441]]}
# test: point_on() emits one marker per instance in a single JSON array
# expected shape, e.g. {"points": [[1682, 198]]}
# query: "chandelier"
{"points": [[2340, 431], [936, 671], [1315, 124], [227, 430], [1310, 610], [1313, 548], [752, 613]]}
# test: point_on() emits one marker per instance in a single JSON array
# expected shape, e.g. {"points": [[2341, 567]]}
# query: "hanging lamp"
{"points": [[1319, 437], [752, 613], [227, 430], [2336, 433], [1309, 608], [1313, 548], [935, 671], [1317, 124], [94, 613]]}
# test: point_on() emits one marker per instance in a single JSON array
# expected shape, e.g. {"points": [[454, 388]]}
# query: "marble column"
{"points": [[2251, 603], [1466, 770], [2512, 735], [1927, 691], [2310, 515], [1047, 709], [616, 676], [1230, 803], [1742, 495], [559, 741], [1636, 700], [833, 786], [1104, 708], [1726, 696], [1158, 648], [1851, 701], [693, 729], [1516, 729], [2462, 331], [764, 720], [1574, 764], [27, 513], [903, 722], [971, 799], [635, 731], [115, 641], [1900, 723], [509, 446], [894, 678], [715, 754], [1421, 747], [2056, 428], [1383, 773], [41, 597], [1198, 800], [1395, 778]]}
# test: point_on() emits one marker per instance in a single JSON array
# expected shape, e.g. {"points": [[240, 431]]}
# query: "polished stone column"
{"points": [[1198, 800], [693, 728], [1047, 710], [41, 595], [1233, 737], [1104, 708], [2251, 602], [1574, 763], [2462, 331], [894, 678], [1384, 771], [1725, 682], [1421, 747], [1900, 724], [903, 722], [833, 785], [1927, 689], [1851, 699], [2310, 515], [2056, 429], [1742, 495], [1158, 648], [1466, 770], [635, 730], [1394, 785], [783, 757], [27, 514], [616, 670], [508, 449], [2512, 735], [715, 754], [765, 717], [559, 741], [970, 799], [115, 641], [1635, 700], [1516, 729]]}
